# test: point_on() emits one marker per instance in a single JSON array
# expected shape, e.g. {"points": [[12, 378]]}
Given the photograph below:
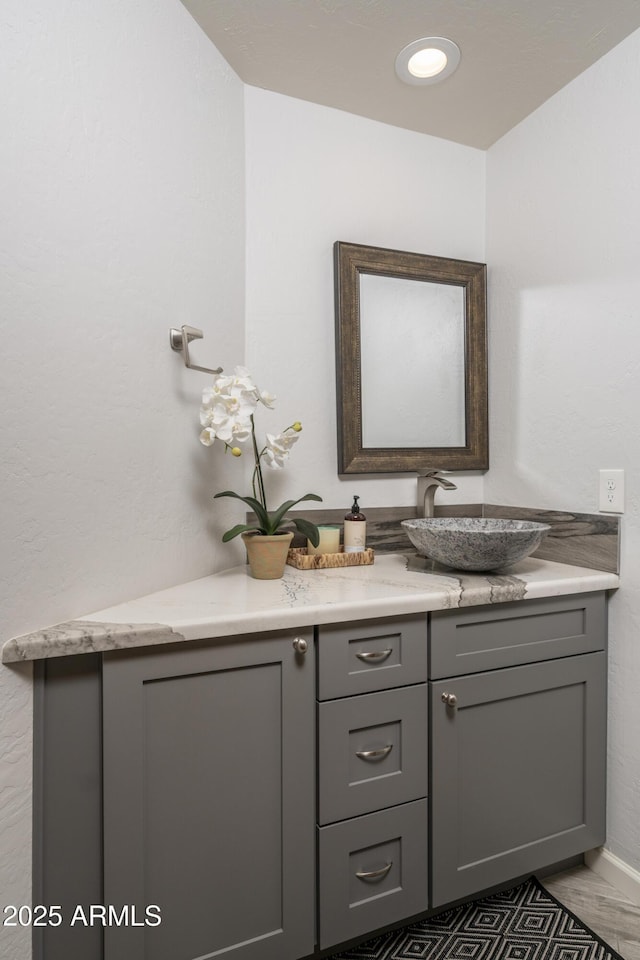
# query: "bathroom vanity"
{"points": [[280, 767]]}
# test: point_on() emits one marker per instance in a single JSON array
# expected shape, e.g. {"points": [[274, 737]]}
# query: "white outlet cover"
{"points": [[611, 491]]}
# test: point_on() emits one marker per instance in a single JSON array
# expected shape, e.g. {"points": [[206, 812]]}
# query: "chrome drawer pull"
{"points": [[374, 874], [375, 656], [375, 754], [450, 699]]}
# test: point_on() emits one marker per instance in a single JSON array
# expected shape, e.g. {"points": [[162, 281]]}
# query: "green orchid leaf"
{"points": [[277, 516], [235, 531], [250, 501], [309, 530], [264, 522]]}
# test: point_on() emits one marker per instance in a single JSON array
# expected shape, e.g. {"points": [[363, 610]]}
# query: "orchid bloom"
{"points": [[278, 447], [227, 408], [227, 414]]}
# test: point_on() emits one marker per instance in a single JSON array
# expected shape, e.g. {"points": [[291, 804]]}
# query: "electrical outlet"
{"points": [[611, 491]]}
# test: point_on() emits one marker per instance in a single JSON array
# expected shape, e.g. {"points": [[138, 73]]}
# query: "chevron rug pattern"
{"points": [[523, 923]]}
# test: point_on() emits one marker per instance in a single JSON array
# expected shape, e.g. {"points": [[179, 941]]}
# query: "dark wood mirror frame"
{"points": [[352, 260]]}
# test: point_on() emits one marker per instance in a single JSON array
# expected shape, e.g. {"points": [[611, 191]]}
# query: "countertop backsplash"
{"points": [[583, 539]]}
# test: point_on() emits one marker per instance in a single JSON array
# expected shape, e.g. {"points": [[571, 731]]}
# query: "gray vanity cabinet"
{"points": [[209, 793], [518, 751], [452, 752]]}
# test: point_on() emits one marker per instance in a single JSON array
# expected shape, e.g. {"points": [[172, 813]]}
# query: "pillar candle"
{"points": [[329, 541]]}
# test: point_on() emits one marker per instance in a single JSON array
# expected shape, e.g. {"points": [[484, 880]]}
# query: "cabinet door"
{"points": [[209, 800], [518, 775]]}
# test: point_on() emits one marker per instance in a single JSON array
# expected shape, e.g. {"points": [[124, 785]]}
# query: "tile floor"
{"points": [[600, 906]]}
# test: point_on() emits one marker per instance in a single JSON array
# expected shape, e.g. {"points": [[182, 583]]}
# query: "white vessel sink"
{"points": [[475, 543]]}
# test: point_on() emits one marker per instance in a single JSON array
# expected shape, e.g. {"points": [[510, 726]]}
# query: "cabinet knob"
{"points": [[450, 699], [300, 645]]}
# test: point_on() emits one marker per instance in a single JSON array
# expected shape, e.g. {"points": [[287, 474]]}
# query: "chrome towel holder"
{"points": [[180, 340]]}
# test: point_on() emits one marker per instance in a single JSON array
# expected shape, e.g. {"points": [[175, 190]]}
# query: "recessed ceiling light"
{"points": [[427, 61]]}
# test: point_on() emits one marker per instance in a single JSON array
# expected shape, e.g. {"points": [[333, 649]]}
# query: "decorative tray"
{"points": [[298, 557]]}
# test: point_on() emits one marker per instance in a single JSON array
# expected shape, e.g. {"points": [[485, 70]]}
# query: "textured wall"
{"points": [[123, 214], [122, 171], [563, 205], [316, 175]]}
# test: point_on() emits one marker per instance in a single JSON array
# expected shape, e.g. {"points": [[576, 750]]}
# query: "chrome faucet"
{"points": [[428, 483]]}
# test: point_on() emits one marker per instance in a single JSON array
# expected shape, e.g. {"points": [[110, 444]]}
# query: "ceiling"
{"points": [[341, 53]]}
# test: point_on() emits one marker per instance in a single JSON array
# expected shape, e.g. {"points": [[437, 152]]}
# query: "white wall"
{"points": [[123, 214], [316, 175], [122, 171], [563, 207]]}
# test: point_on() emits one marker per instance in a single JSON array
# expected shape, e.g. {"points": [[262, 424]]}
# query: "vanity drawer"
{"points": [[372, 871], [508, 634], [371, 655], [372, 752]]}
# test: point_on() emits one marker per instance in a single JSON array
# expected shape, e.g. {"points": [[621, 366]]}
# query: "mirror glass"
{"points": [[418, 324], [410, 361]]}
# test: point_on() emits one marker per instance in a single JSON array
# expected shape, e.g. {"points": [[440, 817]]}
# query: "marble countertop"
{"points": [[231, 603]]}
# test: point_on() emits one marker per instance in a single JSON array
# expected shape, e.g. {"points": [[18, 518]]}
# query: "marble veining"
{"points": [[504, 589], [586, 539], [468, 592], [86, 636], [232, 603]]}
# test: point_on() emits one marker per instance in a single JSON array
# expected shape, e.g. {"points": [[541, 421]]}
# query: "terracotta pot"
{"points": [[267, 555]]}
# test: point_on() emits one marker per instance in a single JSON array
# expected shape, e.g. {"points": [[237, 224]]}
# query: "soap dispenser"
{"points": [[355, 529]]}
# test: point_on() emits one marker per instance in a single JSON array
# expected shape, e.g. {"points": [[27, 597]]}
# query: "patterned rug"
{"points": [[524, 923]]}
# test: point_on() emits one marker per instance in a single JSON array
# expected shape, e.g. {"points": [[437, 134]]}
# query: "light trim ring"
{"points": [[424, 74]]}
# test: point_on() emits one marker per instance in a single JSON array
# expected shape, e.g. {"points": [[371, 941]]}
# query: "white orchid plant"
{"points": [[227, 415]]}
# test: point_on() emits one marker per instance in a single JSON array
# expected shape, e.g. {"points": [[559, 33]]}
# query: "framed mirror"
{"points": [[411, 361]]}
